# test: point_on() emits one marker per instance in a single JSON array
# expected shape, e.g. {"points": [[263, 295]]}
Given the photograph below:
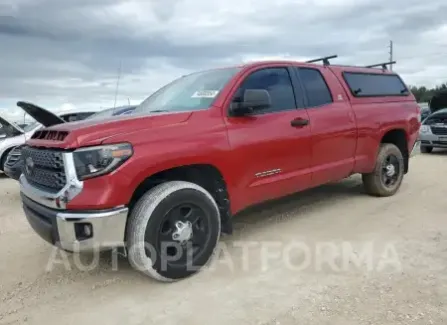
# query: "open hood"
{"points": [[9, 129], [41, 115], [438, 101]]}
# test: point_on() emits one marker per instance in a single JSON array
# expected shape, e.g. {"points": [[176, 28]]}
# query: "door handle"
{"points": [[299, 122]]}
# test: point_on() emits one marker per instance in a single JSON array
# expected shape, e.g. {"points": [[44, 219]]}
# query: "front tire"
{"points": [[173, 231], [426, 149], [388, 173]]}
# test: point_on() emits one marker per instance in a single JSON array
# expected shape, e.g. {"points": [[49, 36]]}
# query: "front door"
{"points": [[273, 146]]}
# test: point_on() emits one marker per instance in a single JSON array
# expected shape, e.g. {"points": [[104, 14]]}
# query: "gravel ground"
{"points": [[332, 255]]}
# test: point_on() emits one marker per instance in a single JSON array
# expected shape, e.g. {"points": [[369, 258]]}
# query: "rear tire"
{"points": [[388, 173], [426, 149], [170, 221]]}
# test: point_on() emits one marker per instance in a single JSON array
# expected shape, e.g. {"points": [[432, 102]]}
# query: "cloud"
{"points": [[57, 52]]}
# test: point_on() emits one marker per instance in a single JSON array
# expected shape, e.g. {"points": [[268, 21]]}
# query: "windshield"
{"points": [[189, 93]]}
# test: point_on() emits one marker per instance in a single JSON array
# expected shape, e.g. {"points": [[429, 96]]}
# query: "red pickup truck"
{"points": [[164, 183]]}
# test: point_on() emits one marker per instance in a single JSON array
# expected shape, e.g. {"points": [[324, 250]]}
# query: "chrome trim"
{"points": [[67, 216], [108, 229], [268, 173], [60, 199]]}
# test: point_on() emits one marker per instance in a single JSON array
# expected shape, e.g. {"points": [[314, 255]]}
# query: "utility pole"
{"points": [[391, 54]]}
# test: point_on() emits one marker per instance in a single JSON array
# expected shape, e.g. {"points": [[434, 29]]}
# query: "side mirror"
{"points": [[253, 99]]}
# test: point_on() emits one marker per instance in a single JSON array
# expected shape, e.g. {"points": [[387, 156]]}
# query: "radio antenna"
{"points": [[117, 84]]}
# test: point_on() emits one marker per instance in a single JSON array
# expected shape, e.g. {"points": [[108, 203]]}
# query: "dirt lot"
{"points": [[405, 282]]}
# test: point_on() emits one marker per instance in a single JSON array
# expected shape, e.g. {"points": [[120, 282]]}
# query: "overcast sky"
{"points": [[64, 54]]}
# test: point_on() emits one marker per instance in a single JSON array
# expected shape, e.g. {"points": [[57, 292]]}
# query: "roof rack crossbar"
{"points": [[383, 65], [324, 59]]}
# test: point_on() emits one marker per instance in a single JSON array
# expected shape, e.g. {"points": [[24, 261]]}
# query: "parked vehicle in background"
{"points": [[7, 127], [14, 162], [16, 136], [114, 111], [3, 130], [425, 111], [163, 183], [433, 132]]}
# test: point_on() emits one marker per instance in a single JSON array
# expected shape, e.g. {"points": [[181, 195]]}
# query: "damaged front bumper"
{"points": [[70, 230]]}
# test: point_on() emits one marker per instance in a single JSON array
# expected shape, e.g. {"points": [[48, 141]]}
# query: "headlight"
{"points": [[425, 129], [96, 161]]}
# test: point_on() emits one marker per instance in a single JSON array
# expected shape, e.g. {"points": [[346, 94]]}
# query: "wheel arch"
{"points": [[205, 175], [399, 138]]}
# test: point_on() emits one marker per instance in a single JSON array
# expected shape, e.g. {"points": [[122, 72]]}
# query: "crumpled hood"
{"points": [[93, 132]]}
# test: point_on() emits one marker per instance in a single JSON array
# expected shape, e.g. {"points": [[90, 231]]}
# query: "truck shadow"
{"points": [[252, 219], [298, 204]]}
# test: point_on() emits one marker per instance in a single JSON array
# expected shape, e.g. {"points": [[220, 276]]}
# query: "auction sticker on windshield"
{"points": [[205, 94]]}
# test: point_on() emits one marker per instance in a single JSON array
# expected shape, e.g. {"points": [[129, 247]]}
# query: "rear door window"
{"points": [[317, 91], [374, 84]]}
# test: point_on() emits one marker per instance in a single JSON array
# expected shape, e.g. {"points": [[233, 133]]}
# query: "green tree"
{"points": [[424, 94]]}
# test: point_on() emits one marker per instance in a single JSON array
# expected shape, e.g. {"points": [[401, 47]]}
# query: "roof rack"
{"points": [[324, 59], [383, 65]]}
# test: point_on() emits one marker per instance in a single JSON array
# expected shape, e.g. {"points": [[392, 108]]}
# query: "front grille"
{"points": [[14, 156], [50, 135], [44, 168], [439, 130]]}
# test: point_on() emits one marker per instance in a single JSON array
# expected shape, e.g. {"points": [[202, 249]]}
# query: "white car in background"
{"points": [[3, 130], [16, 135], [433, 131]]}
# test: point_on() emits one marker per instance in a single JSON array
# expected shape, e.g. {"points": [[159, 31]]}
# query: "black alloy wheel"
{"points": [[390, 170], [183, 234]]}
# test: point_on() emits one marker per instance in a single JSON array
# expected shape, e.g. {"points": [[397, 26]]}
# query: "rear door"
{"points": [[332, 123], [272, 146]]}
